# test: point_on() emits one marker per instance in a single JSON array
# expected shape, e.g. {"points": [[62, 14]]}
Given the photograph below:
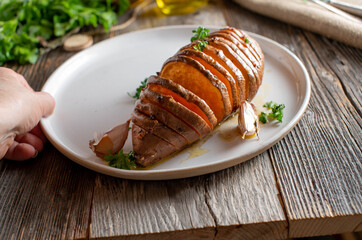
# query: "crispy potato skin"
{"points": [[148, 147], [153, 126], [187, 95], [192, 75], [195, 91], [165, 117], [190, 118]]}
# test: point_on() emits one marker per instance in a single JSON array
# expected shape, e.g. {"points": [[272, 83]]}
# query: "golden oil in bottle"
{"points": [[176, 7]]}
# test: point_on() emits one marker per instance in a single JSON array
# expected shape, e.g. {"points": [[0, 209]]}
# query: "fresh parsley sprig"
{"points": [[200, 33], [139, 89], [275, 114], [200, 45], [121, 160], [24, 24]]}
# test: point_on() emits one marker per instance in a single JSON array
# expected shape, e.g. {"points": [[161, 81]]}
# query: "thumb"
{"points": [[46, 103]]}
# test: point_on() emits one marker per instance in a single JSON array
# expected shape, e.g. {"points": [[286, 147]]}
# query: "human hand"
{"points": [[21, 109]]}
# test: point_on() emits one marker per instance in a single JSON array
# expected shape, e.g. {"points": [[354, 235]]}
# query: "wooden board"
{"points": [[318, 164], [245, 202], [45, 198]]}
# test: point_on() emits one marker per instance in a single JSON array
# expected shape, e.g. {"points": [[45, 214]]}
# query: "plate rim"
{"points": [[167, 174]]}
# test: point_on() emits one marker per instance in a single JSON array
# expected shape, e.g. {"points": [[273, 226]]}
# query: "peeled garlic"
{"points": [[248, 122], [111, 142]]}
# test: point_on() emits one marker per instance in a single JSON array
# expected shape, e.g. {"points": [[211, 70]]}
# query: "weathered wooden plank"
{"points": [[244, 201], [125, 208], [196, 207], [45, 198], [318, 164]]}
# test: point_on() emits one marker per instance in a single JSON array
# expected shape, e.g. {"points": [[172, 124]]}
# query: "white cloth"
{"points": [[310, 16]]}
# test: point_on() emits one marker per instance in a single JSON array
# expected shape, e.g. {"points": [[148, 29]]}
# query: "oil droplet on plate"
{"points": [[196, 150], [228, 130]]}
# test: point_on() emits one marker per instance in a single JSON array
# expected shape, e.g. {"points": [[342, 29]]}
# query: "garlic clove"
{"points": [[248, 122], [111, 142]]}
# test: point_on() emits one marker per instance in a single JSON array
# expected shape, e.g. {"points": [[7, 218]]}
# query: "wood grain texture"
{"points": [[318, 164], [123, 208], [244, 201], [45, 198]]}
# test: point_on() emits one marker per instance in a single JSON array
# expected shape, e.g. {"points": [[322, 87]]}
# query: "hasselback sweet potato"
{"points": [[185, 97], [193, 76], [193, 92], [153, 126]]}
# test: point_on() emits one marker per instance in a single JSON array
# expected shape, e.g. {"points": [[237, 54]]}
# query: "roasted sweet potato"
{"points": [[242, 46], [193, 92], [193, 102], [148, 147], [217, 69], [165, 117], [190, 74], [247, 41], [240, 62], [189, 117], [240, 50], [153, 126]]}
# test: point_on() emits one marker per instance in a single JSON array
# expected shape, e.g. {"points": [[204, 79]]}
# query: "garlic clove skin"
{"points": [[111, 142], [248, 122]]}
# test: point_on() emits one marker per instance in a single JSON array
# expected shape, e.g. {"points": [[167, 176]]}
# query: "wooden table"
{"points": [[308, 184]]}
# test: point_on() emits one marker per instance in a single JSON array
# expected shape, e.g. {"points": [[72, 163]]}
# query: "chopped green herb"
{"points": [[263, 118], [24, 23], [139, 89], [275, 114], [247, 41], [121, 160], [200, 45], [200, 33]]}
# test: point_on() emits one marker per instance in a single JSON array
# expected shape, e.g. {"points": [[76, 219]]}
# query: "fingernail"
{"points": [[35, 155]]}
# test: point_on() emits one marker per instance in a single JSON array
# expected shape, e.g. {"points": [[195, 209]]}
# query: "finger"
{"points": [[46, 103], [4, 146], [30, 139], [7, 73], [21, 152], [22, 80], [39, 133]]}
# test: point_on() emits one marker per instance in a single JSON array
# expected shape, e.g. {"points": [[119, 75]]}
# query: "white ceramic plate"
{"points": [[91, 89]]}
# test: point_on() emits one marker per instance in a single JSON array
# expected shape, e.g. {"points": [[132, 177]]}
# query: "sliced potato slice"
{"points": [[153, 126], [217, 69], [166, 118], [149, 148], [190, 74], [189, 117], [187, 95]]}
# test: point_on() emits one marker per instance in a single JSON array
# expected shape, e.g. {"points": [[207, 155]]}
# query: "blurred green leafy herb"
{"points": [[263, 117], [200, 45], [139, 89], [275, 114], [23, 23], [200, 33], [121, 160]]}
